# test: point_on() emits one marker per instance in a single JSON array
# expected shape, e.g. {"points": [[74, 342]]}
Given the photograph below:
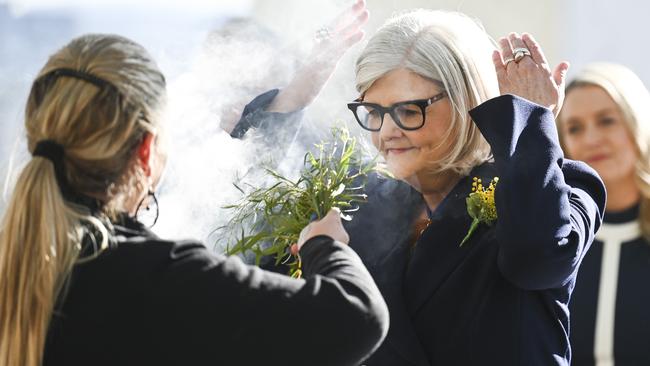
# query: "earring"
{"points": [[149, 214]]}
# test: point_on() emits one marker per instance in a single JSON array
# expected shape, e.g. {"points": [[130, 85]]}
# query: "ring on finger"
{"points": [[507, 61], [323, 34], [520, 53]]}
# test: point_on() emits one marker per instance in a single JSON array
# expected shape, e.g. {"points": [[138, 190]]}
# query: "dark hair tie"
{"points": [[49, 149], [54, 152], [82, 75]]}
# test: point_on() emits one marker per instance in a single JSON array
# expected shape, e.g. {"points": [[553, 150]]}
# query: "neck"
{"points": [[621, 195], [434, 188]]}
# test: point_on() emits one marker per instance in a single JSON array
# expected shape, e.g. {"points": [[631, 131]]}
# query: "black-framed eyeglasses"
{"points": [[408, 115]]}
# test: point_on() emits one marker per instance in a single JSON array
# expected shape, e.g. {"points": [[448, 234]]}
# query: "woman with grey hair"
{"points": [[476, 243], [606, 123]]}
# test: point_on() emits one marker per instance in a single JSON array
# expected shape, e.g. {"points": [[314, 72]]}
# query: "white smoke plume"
{"points": [[213, 69]]}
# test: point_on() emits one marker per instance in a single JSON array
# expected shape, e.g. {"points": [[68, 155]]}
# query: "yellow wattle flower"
{"points": [[480, 205]]}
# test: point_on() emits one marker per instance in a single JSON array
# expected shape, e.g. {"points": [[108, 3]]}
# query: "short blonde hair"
{"points": [[450, 49], [633, 99], [99, 129]]}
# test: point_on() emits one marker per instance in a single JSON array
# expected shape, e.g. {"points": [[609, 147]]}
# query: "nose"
{"points": [[389, 129], [593, 136]]}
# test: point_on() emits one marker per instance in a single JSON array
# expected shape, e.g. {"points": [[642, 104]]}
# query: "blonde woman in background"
{"points": [[606, 123], [83, 282]]}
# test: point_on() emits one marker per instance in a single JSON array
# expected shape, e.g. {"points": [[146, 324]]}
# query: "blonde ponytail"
{"points": [[98, 128], [35, 249]]}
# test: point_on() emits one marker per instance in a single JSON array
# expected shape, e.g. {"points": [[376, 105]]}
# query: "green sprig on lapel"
{"points": [[480, 205]]}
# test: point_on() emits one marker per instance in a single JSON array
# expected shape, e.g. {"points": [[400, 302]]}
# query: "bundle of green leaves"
{"points": [[268, 220]]}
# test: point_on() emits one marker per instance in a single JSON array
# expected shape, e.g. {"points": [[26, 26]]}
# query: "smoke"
{"points": [[213, 72], [237, 62]]}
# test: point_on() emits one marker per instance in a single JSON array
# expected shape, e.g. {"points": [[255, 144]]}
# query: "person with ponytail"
{"points": [[606, 123], [83, 282]]}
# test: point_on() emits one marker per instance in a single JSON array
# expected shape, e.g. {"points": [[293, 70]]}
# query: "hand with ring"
{"points": [[519, 53], [331, 43], [522, 70]]}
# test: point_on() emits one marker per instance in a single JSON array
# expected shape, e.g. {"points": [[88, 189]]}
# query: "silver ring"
{"points": [[323, 34], [507, 61], [520, 53]]}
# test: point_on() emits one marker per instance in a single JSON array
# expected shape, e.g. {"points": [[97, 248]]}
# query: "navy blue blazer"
{"points": [[501, 298]]}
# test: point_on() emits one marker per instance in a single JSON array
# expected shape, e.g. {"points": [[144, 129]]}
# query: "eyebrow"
{"points": [[606, 111], [360, 100], [598, 113]]}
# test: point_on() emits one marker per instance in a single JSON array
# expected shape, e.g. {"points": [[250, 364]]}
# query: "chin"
{"points": [[399, 171], [611, 172]]}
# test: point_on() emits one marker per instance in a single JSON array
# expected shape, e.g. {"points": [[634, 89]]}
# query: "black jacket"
{"points": [[147, 301]]}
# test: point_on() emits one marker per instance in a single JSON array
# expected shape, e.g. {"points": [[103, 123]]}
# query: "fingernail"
{"points": [[313, 217]]}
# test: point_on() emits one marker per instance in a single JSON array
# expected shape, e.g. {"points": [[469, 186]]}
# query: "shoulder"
{"points": [[387, 199], [382, 223], [135, 251], [382, 185], [149, 259]]}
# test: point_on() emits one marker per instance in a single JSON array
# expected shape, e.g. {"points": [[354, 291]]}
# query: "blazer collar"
{"points": [[406, 279], [401, 334], [438, 252]]}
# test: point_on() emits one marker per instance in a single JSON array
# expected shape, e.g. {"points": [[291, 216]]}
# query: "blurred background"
{"points": [[217, 55]]}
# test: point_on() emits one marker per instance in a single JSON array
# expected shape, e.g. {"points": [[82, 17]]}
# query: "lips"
{"points": [[398, 151], [596, 158]]}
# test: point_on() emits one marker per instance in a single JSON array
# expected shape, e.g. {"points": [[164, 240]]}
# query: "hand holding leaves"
{"points": [[267, 221]]}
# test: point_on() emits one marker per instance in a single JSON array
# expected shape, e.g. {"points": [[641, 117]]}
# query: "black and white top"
{"points": [[610, 307]]}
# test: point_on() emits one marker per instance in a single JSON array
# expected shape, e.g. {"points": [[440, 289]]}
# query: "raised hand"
{"points": [[345, 31], [330, 45], [522, 70]]}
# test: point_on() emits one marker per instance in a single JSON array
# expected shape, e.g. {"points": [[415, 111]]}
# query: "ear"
{"points": [[144, 152]]}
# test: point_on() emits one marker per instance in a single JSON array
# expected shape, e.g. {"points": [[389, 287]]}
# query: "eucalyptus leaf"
{"points": [[267, 220]]}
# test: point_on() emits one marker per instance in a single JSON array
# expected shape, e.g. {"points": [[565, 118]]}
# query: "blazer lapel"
{"points": [[438, 252], [379, 233], [401, 334]]}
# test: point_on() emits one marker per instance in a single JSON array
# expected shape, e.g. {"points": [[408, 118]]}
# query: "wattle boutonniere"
{"points": [[480, 205]]}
